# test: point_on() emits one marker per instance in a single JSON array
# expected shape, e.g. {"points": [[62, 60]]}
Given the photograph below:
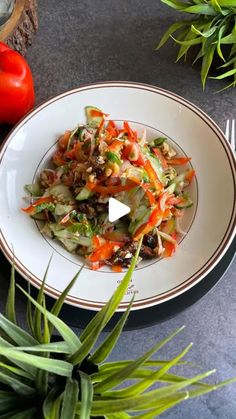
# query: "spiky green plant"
{"points": [[211, 33], [67, 378]]}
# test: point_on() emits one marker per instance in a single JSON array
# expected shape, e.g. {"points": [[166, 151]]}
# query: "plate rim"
{"points": [[188, 283]]}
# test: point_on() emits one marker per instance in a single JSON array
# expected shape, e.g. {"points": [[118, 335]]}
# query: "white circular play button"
{"points": [[116, 209]]}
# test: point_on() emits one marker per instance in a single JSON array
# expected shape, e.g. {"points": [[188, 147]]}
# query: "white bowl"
{"points": [[211, 222]]}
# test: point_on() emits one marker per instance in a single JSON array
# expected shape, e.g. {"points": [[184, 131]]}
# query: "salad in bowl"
{"points": [[103, 159]]}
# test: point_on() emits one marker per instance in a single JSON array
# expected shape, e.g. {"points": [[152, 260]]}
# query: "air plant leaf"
{"points": [[15, 370], [10, 304], [144, 384], [178, 5], [21, 414], [37, 313], [29, 369], [29, 312], [227, 74], [60, 301], [62, 379], [52, 404], [173, 28], [19, 336], [206, 63], [108, 344], [201, 9], [124, 373], [16, 384], [86, 395], [120, 415], [70, 398], [146, 400], [66, 332], [214, 23], [220, 34], [9, 400], [171, 402], [52, 365], [205, 34], [53, 347]]}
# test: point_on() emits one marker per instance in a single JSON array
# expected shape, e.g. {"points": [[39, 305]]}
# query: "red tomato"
{"points": [[16, 86]]}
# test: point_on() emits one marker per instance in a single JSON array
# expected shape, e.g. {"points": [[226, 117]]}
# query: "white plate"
{"points": [[211, 222]]}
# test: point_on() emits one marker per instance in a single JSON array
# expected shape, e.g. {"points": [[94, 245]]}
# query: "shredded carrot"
{"points": [[153, 176], [116, 268], [160, 156], [178, 161]]}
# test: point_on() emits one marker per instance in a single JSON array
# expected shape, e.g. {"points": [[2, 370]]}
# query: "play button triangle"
{"points": [[116, 210]]}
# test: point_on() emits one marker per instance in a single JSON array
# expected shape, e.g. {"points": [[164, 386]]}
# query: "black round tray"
{"points": [[77, 317]]}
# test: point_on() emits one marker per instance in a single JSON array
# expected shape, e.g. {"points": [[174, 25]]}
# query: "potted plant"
{"points": [[210, 33], [62, 377]]}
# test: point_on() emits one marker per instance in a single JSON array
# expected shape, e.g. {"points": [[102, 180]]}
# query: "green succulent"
{"points": [[211, 33], [65, 377]]}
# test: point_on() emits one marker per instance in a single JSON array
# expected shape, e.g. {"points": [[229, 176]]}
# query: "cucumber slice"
{"points": [[62, 209], [155, 164], [92, 120], [187, 203], [61, 190], [84, 194], [34, 189], [39, 216], [143, 217]]}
